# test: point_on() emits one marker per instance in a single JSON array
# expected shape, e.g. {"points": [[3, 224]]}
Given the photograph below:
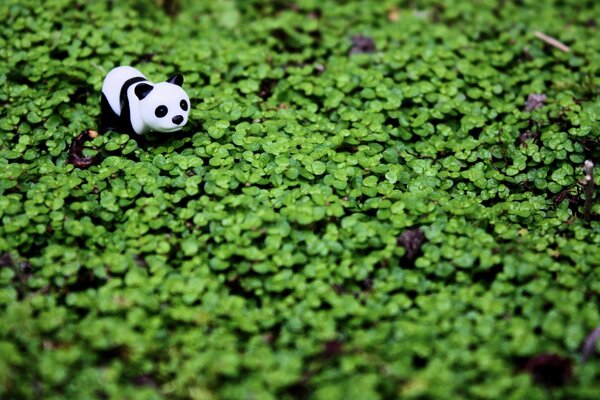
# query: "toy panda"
{"points": [[132, 104]]}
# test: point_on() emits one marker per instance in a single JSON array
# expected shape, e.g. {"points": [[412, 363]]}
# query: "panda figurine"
{"points": [[131, 104]]}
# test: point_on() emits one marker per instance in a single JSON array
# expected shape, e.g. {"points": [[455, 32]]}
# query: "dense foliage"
{"points": [[363, 205]]}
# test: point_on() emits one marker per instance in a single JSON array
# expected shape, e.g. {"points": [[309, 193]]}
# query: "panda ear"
{"points": [[142, 90], [176, 79]]}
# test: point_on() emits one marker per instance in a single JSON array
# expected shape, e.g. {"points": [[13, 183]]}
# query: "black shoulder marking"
{"points": [[126, 85], [126, 125]]}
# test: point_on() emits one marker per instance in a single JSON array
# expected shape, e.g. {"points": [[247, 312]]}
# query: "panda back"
{"points": [[114, 82]]}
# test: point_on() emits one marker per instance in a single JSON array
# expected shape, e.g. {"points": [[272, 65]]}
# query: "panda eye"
{"points": [[184, 105], [161, 111]]}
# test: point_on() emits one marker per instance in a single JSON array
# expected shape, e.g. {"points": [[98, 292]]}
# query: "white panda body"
{"points": [[132, 104], [114, 81]]}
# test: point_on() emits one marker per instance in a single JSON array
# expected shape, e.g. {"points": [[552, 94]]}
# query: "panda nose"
{"points": [[177, 119]]}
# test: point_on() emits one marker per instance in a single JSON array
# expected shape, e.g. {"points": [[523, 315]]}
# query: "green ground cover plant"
{"points": [[372, 199]]}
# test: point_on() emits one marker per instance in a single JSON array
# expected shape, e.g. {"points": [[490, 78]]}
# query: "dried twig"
{"points": [[551, 41], [588, 187], [589, 346]]}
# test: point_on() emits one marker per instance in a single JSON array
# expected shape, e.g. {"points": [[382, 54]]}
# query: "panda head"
{"points": [[164, 107]]}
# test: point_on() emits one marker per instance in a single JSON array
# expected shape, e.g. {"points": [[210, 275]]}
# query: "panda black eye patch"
{"points": [[184, 105], [161, 111]]}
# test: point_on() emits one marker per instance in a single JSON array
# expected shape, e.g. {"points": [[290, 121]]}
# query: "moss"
{"points": [[270, 250]]}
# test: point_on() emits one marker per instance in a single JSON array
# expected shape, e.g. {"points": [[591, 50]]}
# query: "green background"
{"points": [[254, 255]]}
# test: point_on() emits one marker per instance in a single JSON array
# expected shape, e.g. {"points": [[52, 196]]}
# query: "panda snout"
{"points": [[178, 119]]}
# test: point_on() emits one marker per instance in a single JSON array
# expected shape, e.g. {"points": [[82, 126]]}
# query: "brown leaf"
{"points": [[332, 348], [534, 101], [145, 380], [266, 87], [362, 45], [550, 370], [411, 240], [6, 260], [76, 156], [526, 137], [319, 68]]}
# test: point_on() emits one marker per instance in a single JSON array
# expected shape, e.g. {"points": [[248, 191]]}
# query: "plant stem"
{"points": [[588, 184], [551, 41]]}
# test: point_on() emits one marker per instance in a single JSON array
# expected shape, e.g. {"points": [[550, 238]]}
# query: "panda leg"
{"points": [[108, 119]]}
